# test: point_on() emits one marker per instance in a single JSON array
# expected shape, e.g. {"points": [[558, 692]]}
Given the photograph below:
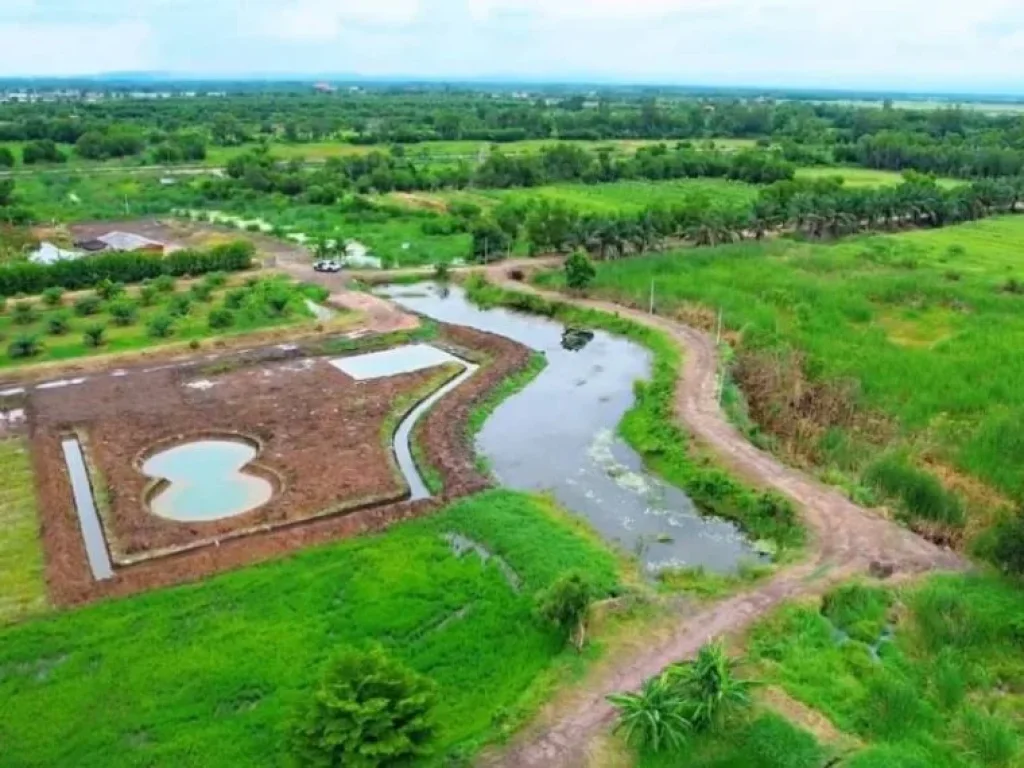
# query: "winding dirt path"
{"points": [[845, 540]]}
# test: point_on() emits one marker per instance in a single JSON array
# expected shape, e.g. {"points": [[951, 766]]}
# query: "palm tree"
{"points": [[654, 718]]}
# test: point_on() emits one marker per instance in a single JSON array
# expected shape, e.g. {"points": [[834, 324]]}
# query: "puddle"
{"points": [[462, 545], [85, 504], [559, 435], [206, 481]]}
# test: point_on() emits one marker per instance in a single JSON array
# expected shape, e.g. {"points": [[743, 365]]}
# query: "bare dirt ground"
{"points": [[845, 540], [442, 435]]}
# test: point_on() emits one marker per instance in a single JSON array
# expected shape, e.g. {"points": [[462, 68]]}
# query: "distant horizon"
{"points": [[1000, 93]]}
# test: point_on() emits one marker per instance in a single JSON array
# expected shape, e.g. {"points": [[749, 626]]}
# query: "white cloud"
{"points": [[39, 48], [324, 20]]}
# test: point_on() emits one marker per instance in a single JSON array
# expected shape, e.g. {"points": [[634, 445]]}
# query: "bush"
{"points": [[58, 323], [124, 312], [215, 280], [24, 313], [147, 295], [566, 604], [160, 326], [201, 292], [88, 305], [179, 305], [579, 271], [94, 335], [221, 318], [165, 284], [234, 299], [26, 345], [366, 711], [29, 278], [654, 718], [107, 289], [52, 297], [442, 271], [1008, 551]]}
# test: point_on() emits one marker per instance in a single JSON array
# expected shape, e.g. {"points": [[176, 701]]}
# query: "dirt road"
{"points": [[846, 540]]}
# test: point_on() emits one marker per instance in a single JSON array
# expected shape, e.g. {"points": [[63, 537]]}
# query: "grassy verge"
{"points": [[21, 557], [210, 672], [650, 425]]}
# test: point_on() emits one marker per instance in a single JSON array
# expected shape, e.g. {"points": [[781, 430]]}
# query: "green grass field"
{"points": [[208, 674], [620, 196], [21, 559], [926, 323], [861, 177], [189, 312]]}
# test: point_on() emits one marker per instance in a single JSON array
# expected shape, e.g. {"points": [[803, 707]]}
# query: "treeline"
{"points": [[28, 278], [385, 172], [814, 209], [896, 151]]}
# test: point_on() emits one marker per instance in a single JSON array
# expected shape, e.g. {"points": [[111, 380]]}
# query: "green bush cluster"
{"points": [[29, 278]]}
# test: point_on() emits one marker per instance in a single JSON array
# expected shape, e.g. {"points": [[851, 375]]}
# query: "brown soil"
{"points": [[845, 540], [321, 433]]}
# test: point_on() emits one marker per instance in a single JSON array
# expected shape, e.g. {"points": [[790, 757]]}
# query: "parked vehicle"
{"points": [[327, 265]]}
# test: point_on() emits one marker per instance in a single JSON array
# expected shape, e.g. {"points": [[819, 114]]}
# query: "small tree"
{"points": [[124, 312], [107, 289], [368, 711], [160, 326], [655, 717], [147, 295], [235, 298], [579, 271], [221, 318], [165, 284], [1008, 551], [24, 313], [88, 305], [442, 271], [25, 345], [201, 292], [94, 335], [566, 603], [180, 305], [58, 323], [53, 297]]}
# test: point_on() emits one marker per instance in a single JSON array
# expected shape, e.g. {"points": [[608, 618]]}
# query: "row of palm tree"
{"points": [[821, 209]]}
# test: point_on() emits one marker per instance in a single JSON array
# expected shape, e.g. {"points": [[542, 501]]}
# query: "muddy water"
{"points": [[559, 435], [85, 505], [205, 481]]}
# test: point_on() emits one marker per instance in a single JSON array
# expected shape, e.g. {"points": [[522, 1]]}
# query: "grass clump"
{"points": [[921, 496], [858, 610]]}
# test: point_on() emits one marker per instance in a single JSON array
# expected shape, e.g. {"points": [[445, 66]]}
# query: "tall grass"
{"points": [[206, 674]]}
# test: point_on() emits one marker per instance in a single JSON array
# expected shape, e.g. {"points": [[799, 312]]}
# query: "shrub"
{"points": [[654, 718], [579, 271], [58, 323], [712, 687], [24, 313], [147, 295], [179, 305], [1008, 550], [1014, 286], [215, 280], [566, 604], [94, 335], [442, 271], [165, 284], [124, 312], [234, 299], [107, 289], [87, 305], [25, 345], [160, 326], [221, 318], [53, 297], [366, 711], [201, 292]]}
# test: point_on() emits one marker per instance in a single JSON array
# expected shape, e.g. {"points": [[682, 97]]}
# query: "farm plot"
{"points": [[318, 441], [21, 560]]}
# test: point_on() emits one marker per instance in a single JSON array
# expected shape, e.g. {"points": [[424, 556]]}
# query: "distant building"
{"points": [[48, 253], [324, 88], [121, 241]]}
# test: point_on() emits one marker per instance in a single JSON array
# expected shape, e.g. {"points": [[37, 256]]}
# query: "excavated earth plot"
{"points": [[323, 441]]}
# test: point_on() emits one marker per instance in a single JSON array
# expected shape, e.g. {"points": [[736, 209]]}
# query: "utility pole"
{"points": [[652, 297]]}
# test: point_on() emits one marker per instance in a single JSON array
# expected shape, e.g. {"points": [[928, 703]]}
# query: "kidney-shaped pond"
{"points": [[559, 435], [205, 480]]}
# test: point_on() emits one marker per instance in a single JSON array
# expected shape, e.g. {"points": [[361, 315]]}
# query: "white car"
{"points": [[327, 266]]}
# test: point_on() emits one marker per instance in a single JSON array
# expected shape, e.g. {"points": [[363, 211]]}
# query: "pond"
{"points": [[204, 481], [559, 435]]}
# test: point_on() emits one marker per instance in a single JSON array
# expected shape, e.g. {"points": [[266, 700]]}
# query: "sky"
{"points": [[885, 44]]}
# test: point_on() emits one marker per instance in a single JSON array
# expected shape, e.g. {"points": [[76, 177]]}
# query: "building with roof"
{"points": [[121, 241]]}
